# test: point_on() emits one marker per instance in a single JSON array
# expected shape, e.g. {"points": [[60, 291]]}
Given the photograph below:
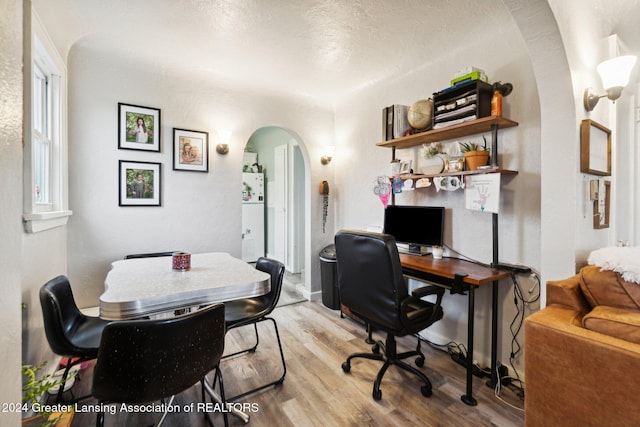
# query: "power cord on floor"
{"points": [[522, 301]]}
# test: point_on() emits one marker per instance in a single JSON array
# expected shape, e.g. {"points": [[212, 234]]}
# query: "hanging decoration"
{"points": [[382, 189], [324, 190]]}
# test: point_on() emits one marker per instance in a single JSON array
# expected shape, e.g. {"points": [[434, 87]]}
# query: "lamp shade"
{"points": [[615, 72]]}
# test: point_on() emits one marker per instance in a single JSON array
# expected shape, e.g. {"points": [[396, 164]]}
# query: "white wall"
{"points": [[588, 41], [11, 206], [359, 161], [200, 212]]}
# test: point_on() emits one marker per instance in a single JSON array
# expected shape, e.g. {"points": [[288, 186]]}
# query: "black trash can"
{"points": [[329, 277]]}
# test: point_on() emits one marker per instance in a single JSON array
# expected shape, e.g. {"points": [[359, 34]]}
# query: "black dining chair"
{"points": [[373, 288], [143, 361], [70, 333], [251, 311]]}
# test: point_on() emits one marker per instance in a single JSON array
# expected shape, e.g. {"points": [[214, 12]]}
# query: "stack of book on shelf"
{"points": [[394, 121], [464, 101]]}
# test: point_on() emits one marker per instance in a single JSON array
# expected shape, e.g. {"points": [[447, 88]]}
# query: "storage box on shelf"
{"points": [[461, 103]]}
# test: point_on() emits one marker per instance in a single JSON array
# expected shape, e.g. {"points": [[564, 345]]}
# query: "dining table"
{"points": [[143, 287]]}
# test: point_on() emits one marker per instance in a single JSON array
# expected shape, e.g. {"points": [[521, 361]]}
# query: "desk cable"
{"points": [[521, 303]]}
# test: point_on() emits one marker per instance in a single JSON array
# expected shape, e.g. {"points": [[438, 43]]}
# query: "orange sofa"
{"points": [[582, 353]]}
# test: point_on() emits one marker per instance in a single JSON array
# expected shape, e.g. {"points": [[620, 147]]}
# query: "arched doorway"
{"points": [[276, 155]]}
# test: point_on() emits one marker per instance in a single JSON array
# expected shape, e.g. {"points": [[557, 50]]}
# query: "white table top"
{"points": [[142, 286]]}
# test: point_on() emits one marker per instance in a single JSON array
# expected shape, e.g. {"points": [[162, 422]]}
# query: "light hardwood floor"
{"points": [[316, 392]]}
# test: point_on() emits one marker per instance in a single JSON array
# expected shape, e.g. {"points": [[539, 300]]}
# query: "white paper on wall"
{"points": [[482, 192]]}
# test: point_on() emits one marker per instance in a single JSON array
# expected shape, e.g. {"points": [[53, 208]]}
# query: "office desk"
{"points": [[141, 287], [460, 276]]}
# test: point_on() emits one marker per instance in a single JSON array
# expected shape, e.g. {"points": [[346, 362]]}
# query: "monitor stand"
{"points": [[413, 250]]}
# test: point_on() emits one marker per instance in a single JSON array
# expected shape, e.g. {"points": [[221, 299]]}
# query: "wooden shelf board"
{"points": [[451, 132], [460, 173]]}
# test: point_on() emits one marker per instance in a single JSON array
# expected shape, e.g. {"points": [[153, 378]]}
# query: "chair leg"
{"points": [[217, 377], [164, 415], [247, 350], [280, 380], [65, 377]]}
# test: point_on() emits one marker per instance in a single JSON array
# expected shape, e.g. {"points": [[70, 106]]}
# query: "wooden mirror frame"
{"points": [[595, 148]]}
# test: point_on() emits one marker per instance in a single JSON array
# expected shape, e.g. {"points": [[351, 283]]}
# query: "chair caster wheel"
{"points": [[426, 391], [377, 394], [375, 349], [346, 367], [420, 362]]}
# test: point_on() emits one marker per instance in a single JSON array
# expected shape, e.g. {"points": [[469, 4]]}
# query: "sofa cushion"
{"points": [[608, 288], [567, 293], [615, 322]]}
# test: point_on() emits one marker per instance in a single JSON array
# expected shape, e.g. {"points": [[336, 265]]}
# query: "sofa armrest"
{"points": [[567, 293], [575, 376]]}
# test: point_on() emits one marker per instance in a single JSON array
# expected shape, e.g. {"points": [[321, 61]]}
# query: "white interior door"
{"points": [[280, 187]]}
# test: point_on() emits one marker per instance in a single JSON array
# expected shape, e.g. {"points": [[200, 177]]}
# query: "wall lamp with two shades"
{"points": [[615, 73], [328, 154]]}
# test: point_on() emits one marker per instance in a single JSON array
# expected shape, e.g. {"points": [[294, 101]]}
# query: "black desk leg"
{"points": [[494, 336], [468, 398]]}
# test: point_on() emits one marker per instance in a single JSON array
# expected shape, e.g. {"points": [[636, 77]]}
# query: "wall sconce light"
{"points": [[328, 155], [615, 73], [223, 141]]}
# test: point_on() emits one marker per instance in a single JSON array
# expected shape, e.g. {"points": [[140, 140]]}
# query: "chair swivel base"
{"points": [[390, 357]]}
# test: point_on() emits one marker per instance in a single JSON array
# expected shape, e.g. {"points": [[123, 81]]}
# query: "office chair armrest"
{"points": [[428, 290], [417, 314]]}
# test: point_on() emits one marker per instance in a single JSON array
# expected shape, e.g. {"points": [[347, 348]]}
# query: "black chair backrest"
{"points": [[61, 314], [147, 360], [276, 270], [148, 255], [370, 277]]}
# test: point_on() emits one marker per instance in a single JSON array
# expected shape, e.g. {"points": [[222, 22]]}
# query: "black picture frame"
{"points": [[190, 150], [139, 183], [138, 127]]}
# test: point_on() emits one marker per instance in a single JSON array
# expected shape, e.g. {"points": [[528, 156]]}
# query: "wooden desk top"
{"points": [[448, 267]]}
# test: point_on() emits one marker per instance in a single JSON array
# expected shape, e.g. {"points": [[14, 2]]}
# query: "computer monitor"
{"points": [[416, 226]]}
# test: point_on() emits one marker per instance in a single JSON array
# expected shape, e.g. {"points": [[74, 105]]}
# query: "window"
{"points": [[45, 154]]}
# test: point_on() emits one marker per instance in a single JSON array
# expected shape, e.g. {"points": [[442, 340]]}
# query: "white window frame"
{"points": [[40, 52]]}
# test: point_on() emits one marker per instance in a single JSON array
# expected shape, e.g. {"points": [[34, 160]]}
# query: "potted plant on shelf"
{"points": [[474, 155], [32, 390]]}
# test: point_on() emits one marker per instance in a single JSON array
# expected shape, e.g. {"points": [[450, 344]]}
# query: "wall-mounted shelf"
{"points": [[461, 130], [415, 176]]}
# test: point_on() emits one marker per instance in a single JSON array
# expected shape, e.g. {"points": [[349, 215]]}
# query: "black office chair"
{"points": [[148, 255], [372, 286], [143, 361], [255, 310], [70, 333]]}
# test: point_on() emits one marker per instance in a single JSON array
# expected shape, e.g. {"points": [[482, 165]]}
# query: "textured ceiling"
{"points": [[317, 48], [322, 49]]}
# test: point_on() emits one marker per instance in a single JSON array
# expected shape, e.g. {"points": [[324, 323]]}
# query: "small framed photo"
{"points": [[405, 167], [190, 150], [455, 165], [138, 127], [139, 183]]}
